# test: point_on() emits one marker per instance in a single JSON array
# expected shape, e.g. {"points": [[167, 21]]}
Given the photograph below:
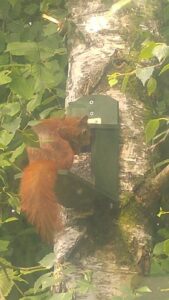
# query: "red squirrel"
{"points": [[59, 140]]}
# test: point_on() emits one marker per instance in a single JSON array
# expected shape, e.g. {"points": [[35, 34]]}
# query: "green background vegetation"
{"points": [[33, 70]]}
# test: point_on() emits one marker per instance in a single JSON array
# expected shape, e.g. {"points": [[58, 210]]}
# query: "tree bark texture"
{"points": [[97, 40]]}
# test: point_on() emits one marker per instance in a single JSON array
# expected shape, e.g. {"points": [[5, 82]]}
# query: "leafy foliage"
{"points": [[33, 64]]}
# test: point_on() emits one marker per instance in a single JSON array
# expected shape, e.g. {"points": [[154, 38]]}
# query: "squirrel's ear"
{"points": [[83, 120]]}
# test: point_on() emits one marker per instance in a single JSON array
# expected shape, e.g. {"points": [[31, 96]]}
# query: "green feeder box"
{"points": [[103, 113]]}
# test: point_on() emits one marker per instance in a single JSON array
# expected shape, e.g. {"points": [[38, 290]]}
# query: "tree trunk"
{"points": [[118, 245]]}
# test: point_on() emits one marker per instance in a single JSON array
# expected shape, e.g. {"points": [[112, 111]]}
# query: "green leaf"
{"points": [[45, 113], [113, 81], [12, 125], [6, 282], [49, 29], [159, 249], [144, 73], [44, 78], [156, 268], [44, 281], [5, 262], [151, 86], [144, 289], [4, 245], [147, 50], [165, 264], [34, 103], [4, 162], [23, 48], [14, 201], [23, 86], [48, 261], [161, 52], [4, 77], [10, 109], [12, 219], [164, 69], [17, 152], [5, 137], [151, 129]]}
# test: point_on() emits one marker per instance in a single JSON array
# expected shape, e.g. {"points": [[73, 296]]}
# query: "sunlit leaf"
{"points": [[147, 50], [12, 219], [144, 289], [113, 81], [144, 73], [161, 51], [6, 282]]}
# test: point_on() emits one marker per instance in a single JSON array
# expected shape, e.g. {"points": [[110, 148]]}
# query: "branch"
{"points": [[149, 192]]}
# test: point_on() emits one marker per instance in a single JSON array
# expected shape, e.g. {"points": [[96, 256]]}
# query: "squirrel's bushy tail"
{"points": [[38, 200]]}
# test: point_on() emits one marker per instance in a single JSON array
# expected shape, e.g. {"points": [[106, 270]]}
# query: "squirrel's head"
{"points": [[76, 131]]}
